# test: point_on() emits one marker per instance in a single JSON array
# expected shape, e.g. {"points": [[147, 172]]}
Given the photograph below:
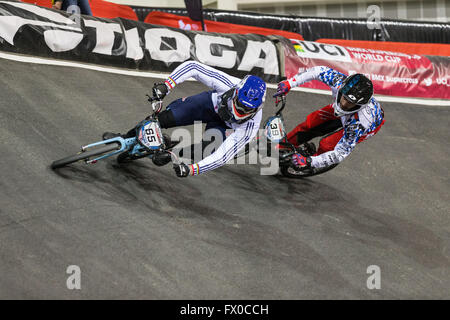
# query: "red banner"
{"points": [[392, 73], [42, 3], [185, 23], [425, 49], [109, 10]]}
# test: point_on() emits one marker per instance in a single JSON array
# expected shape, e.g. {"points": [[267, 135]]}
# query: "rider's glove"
{"points": [[160, 90], [283, 88], [301, 162], [182, 170]]}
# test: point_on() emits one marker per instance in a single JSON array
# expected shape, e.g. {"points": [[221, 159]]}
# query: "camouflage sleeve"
{"points": [[353, 131], [331, 77], [325, 74]]}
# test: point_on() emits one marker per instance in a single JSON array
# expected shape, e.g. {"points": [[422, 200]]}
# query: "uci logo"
{"points": [[443, 82], [315, 50]]}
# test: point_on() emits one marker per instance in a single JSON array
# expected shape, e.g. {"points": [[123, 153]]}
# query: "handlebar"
{"points": [[151, 99], [286, 156], [279, 99], [154, 101]]}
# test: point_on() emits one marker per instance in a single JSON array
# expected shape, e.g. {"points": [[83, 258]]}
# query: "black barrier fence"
{"points": [[313, 28]]}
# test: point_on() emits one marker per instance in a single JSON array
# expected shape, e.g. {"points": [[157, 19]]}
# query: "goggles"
{"points": [[241, 109]]}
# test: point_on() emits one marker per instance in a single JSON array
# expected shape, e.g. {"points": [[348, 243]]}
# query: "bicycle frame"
{"points": [[125, 144], [140, 144], [274, 128]]}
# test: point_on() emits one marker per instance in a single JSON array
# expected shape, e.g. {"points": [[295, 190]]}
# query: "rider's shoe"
{"points": [[161, 158], [169, 142], [110, 135]]}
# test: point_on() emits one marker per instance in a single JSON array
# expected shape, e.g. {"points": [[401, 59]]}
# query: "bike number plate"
{"points": [[150, 135], [274, 129]]}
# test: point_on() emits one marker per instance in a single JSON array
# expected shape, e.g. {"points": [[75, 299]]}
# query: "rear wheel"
{"points": [[125, 157], [83, 156]]}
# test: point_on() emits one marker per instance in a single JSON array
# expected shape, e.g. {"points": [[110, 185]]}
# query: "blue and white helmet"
{"points": [[248, 98]]}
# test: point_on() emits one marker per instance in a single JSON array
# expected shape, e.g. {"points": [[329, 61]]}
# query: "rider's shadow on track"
{"points": [[139, 186], [128, 184], [139, 182]]}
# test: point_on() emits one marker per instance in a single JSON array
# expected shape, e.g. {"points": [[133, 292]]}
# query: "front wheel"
{"points": [[290, 172], [83, 156]]}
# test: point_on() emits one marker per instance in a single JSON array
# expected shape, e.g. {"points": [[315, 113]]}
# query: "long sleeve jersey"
{"points": [[220, 82], [359, 124]]}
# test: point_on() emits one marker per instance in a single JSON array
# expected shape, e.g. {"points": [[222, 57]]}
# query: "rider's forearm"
{"points": [[179, 75], [228, 149], [306, 76], [327, 159], [341, 151], [328, 76], [207, 75]]}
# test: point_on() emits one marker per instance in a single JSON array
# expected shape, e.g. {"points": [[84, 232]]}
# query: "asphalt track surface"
{"points": [[139, 232]]}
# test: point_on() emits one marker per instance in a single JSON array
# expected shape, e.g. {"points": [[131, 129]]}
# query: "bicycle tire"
{"points": [[125, 157], [82, 155], [303, 174]]}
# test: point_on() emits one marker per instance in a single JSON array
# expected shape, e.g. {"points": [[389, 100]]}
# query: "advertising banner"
{"points": [[392, 73], [30, 29]]}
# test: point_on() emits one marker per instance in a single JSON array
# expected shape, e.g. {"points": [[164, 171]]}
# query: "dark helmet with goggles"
{"points": [[357, 89]]}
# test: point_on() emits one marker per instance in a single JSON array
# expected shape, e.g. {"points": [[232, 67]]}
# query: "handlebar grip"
{"points": [[152, 99], [281, 99]]}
